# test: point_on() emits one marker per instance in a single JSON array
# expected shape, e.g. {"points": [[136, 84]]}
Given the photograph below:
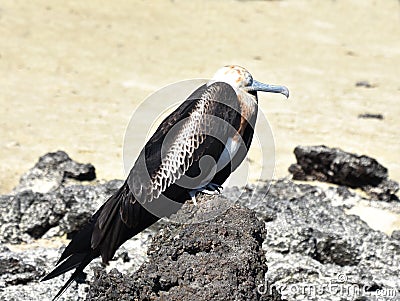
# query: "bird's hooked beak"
{"points": [[257, 86]]}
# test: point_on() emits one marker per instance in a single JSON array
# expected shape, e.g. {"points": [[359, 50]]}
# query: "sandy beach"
{"points": [[72, 73]]}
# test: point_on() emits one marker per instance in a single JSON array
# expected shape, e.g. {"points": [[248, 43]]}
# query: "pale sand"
{"points": [[71, 74]]}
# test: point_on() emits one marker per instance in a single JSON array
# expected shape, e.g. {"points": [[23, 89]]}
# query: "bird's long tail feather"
{"points": [[120, 218], [67, 265]]}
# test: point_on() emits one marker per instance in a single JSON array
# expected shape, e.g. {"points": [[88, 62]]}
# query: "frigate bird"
{"points": [[195, 148]]}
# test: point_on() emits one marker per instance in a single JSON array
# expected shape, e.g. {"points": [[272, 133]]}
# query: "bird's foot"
{"points": [[210, 189]]}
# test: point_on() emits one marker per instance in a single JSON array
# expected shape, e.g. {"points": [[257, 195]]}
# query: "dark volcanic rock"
{"points": [[336, 166], [310, 242], [384, 191], [45, 203], [28, 214], [371, 116], [396, 235], [217, 260], [21, 270], [81, 202], [52, 170], [365, 84], [15, 270], [311, 246], [333, 165]]}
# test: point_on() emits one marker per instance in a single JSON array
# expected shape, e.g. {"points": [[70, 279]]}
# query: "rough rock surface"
{"points": [[311, 244], [221, 259], [45, 204], [313, 249], [22, 268], [333, 165], [21, 271], [52, 170], [14, 269], [30, 215]]}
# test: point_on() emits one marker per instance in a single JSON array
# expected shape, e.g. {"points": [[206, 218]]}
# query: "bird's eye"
{"points": [[249, 80]]}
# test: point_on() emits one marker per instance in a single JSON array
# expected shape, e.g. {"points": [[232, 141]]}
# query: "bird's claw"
{"points": [[210, 189]]}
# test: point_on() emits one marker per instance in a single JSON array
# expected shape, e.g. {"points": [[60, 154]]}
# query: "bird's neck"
{"points": [[249, 108]]}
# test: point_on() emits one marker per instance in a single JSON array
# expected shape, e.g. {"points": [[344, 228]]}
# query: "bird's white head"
{"points": [[239, 78]]}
